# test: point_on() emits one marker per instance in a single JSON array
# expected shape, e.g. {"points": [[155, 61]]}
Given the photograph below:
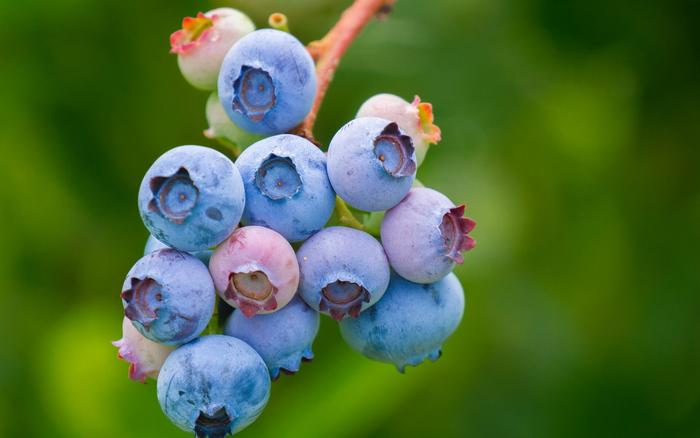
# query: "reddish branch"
{"points": [[328, 51]]}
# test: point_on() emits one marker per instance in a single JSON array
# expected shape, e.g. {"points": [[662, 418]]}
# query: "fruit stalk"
{"points": [[328, 51]]}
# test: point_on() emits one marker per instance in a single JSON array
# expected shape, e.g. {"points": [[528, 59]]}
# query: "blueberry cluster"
{"points": [[285, 233]]}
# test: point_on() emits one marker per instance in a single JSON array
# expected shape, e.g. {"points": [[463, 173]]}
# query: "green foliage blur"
{"points": [[571, 129]]}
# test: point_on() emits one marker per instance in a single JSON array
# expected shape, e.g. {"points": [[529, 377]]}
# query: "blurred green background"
{"points": [[571, 130]]}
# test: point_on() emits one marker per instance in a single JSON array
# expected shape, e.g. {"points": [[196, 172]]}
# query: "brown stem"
{"points": [[328, 51]]}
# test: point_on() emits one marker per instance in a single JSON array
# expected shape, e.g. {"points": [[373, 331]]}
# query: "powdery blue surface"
{"points": [[409, 324], [219, 203], [153, 244], [412, 239], [209, 374], [355, 171], [186, 293], [345, 254], [286, 85], [282, 338], [309, 199]]}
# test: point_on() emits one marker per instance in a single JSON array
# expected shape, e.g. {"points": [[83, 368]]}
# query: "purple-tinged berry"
{"points": [[283, 339], [371, 163], [222, 129], [425, 235], [153, 244], [267, 82], [214, 386], [343, 271], [255, 270], [191, 198], [144, 356], [286, 186], [415, 118], [169, 296], [203, 42], [409, 324]]}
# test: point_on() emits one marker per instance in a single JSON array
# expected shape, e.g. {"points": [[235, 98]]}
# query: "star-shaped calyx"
{"points": [[194, 31], [143, 299], [395, 151], [213, 423], [430, 132], [455, 229], [174, 196], [254, 93], [252, 292], [342, 298]]}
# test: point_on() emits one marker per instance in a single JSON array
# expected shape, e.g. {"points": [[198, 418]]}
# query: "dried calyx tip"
{"points": [[216, 425], [342, 298], [395, 151], [278, 21], [455, 229]]}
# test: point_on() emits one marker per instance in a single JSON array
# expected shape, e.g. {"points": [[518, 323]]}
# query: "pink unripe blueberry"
{"points": [[145, 357], [415, 119], [255, 270], [203, 42]]}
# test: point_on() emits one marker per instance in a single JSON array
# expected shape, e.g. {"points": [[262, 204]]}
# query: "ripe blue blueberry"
{"points": [[283, 339], [267, 82], [169, 296], [213, 386], [425, 235], [286, 186], [409, 324], [343, 271], [191, 198], [153, 244], [371, 163]]}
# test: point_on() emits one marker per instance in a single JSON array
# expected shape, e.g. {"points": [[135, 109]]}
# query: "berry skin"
{"points": [[191, 198], [213, 386], [169, 296], [267, 82], [286, 186], [145, 357], [415, 119], [283, 339], [153, 244], [425, 235], [343, 271], [203, 42], [221, 128], [409, 323], [371, 163], [255, 270]]}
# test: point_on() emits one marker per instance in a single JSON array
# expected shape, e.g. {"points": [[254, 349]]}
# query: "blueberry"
{"points": [[267, 82], [409, 323], [153, 244], [255, 270], [203, 42], [343, 271], [371, 163], [191, 198], [169, 296], [286, 186], [425, 235], [415, 118], [283, 339], [213, 386], [145, 357]]}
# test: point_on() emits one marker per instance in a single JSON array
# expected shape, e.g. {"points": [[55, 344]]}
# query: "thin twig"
{"points": [[328, 51]]}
